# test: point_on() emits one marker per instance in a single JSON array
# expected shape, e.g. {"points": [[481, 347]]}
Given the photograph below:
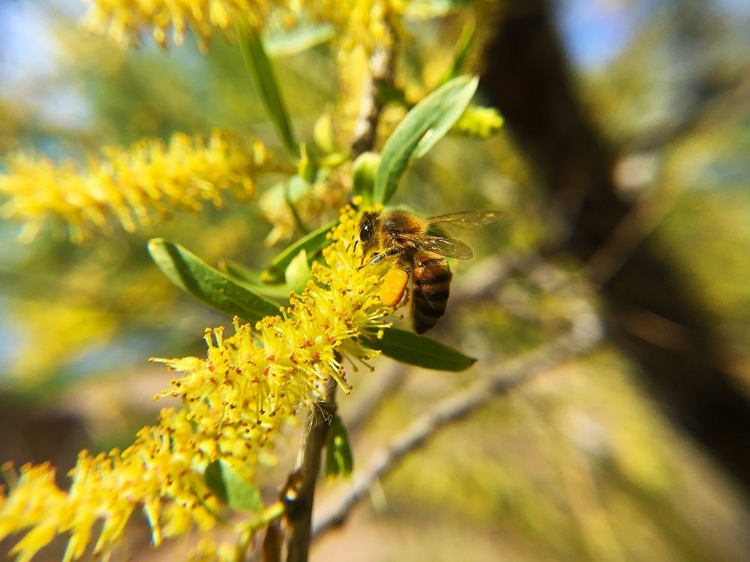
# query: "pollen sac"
{"points": [[394, 286]]}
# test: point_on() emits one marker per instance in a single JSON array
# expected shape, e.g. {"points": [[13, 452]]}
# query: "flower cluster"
{"points": [[130, 186], [480, 122], [358, 22], [123, 20], [363, 23], [234, 403]]}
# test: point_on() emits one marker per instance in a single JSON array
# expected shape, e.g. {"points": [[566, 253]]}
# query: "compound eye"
{"points": [[365, 233]]}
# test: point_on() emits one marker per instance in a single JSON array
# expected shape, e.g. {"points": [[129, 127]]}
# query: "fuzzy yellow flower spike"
{"points": [[234, 401], [358, 22], [150, 179]]}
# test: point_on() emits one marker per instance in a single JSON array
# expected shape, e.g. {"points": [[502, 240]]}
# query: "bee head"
{"points": [[369, 226]]}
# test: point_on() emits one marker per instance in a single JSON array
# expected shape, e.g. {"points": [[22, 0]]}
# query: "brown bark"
{"points": [[656, 315]]}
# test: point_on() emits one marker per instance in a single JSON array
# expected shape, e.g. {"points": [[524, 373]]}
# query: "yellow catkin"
{"points": [[130, 187], [234, 402], [358, 22]]}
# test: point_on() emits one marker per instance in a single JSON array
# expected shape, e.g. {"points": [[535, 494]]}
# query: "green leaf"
{"points": [[307, 167], [282, 41], [298, 272], [364, 172], [339, 460], [231, 488], [462, 51], [323, 134], [261, 68], [454, 98], [312, 244], [412, 349], [250, 277], [210, 285], [422, 127]]}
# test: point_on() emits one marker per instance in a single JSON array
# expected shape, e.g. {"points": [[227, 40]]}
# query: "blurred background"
{"points": [[624, 159]]}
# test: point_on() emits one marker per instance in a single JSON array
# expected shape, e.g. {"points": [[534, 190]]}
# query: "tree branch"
{"points": [[300, 490]]}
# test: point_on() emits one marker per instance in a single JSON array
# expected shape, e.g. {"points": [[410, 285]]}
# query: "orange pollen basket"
{"points": [[394, 286]]}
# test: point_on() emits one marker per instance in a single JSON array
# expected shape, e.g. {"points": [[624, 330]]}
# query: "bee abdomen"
{"points": [[432, 283]]}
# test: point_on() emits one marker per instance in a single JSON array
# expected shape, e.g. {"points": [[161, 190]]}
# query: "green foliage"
{"points": [[210, 285], [252, 277], [422, 127], [364, 172], [312, 244], [231, 488], [409, 348], [306, 34], [298, 272], [463, 48], [261, 69], [338, 455]]}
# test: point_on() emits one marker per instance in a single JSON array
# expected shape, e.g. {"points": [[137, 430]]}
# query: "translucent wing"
{"points": [[446, 247], [466, 219]]}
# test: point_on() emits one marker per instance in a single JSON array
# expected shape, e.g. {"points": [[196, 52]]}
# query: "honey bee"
{"points": [[404, 237]]}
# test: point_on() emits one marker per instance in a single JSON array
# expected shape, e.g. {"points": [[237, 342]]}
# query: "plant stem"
{"points": [[300, 492]]}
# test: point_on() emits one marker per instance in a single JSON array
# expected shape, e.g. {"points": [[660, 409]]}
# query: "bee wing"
{"points": [[446, 247], [466, 219]]}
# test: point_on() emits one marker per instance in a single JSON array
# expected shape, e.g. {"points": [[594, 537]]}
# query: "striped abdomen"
{"points": [[431, 278]]}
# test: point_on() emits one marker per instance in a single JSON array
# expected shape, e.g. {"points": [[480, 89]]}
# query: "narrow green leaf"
{"points": [[339, 460], [231, 488], [422, 127], [454, 102], [412, 349], [462, 51], [312, 244], [210, 285], [261, 68]]}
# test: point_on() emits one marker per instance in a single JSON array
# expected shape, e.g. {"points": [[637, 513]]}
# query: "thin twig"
{"points": [[586, 332], [300, 493]]}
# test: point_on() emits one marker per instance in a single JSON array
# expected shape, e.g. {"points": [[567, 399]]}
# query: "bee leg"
{"points": [[376, 258], [380, 256]]}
